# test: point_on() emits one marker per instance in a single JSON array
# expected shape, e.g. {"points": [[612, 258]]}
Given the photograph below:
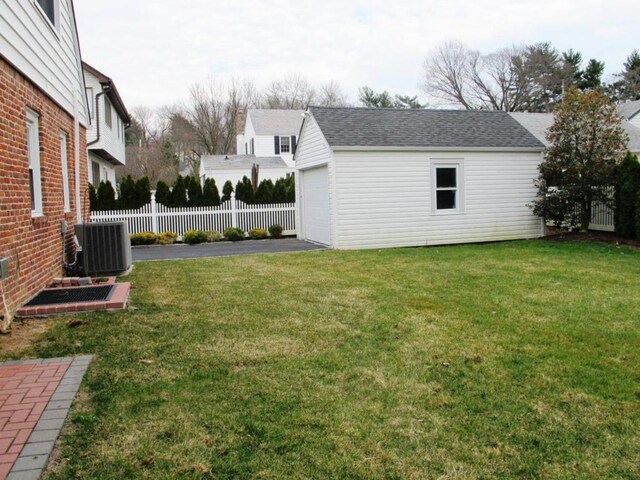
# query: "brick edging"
{"points": [[35, 454]]}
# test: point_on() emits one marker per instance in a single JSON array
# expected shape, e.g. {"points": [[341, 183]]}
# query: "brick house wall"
{"points": [[34, 246]]}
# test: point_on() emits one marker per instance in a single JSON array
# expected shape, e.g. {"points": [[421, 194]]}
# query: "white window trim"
{"points": [[288, 145], [458, 163], [33, 152], [55, 26], [65, 172]]}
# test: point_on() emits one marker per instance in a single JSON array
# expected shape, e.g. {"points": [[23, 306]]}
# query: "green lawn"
{"points": [[511, 360]]}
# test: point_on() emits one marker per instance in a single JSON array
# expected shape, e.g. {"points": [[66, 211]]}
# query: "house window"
{"points": [[33, 152], [246, 148], [118, 125], [65, 172], [285, 144], [253, 147], [107, 112], [95, 174], [447, 185], [49, 9], [90, 101]]}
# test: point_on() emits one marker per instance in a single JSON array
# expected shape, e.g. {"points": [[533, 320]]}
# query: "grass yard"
{"points": [[512, 360]]}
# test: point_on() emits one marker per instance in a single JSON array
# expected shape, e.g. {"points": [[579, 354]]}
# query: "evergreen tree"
{"points": [[127, 198], [93, 198], [178, 193], [290, 183], [194, 189], [627, 195], [143, 192], [592, 75], [280, 191], [227, 190], [264, 194], [210, 195], [106, 196], [244, 190], [163, 194]]}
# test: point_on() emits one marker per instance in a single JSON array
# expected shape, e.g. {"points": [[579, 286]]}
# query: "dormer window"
{"points": [[285, 144], [49, 9]]}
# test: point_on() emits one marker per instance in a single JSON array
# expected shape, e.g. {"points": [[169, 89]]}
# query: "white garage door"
{"points": [[315, 205]]}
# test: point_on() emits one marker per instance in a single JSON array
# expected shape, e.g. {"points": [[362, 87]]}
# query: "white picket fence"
{"points": [[155, 217]]}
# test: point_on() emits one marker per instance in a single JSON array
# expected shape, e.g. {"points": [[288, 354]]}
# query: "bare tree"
{"points": [[512, 79], [330, 94], [215, 110], [293, 92]]}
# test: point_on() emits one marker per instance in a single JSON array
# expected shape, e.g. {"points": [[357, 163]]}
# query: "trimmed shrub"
{"points": [[178, 197], [210, 195], [264, 193], [234, 234], [227, 190], [213, 236], [167, 238], [163, 194], [106, 196], [194, 190], [258, 233], [275, 230], [127, 193], [142, 192], [194, 236], [143, 238], [93, 198]]}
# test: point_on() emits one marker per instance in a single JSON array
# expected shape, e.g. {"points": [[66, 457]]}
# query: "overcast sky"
{"points": [[155, 49]]}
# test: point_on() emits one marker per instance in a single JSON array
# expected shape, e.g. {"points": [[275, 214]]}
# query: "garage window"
{"points": [[447, 187]]}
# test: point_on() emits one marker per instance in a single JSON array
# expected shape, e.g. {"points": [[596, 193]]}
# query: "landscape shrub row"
{"points": [[194, 236], [130, 194]]}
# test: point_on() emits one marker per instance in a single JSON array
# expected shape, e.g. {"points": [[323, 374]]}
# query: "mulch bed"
{"points": [[560, 235]]}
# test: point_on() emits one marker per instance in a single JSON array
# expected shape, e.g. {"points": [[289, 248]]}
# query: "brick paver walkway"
{"points": [[31, 392]]}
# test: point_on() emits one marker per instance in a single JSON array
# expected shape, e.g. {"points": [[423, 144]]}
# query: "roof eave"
{"points": [[354, 148]]}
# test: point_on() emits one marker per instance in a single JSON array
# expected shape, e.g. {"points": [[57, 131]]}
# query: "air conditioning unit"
{"points": [[105, 247]]}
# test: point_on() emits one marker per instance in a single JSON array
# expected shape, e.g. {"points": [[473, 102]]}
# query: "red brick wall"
{"points": [[33, 245]]}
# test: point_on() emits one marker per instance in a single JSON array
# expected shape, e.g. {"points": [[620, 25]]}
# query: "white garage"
{"points": [[314, 196], [376, 178]]}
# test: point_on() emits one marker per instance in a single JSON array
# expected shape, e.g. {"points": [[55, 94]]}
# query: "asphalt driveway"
{"points": [[221, 249]]}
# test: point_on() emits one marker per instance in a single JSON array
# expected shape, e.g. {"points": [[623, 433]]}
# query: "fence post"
{"points": [[154, 213], [234, 210]]}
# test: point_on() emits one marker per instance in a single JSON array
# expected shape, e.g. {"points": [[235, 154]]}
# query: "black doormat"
{"points": [[72, 295]]}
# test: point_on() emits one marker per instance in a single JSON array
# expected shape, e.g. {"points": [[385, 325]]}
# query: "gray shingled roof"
{"points": [[365, 127], [629, 109], [538, 123], [276, 122], [239, 162]]}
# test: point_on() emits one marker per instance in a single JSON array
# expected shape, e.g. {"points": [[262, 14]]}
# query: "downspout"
{"points": [[103, 92], [76, 140]]}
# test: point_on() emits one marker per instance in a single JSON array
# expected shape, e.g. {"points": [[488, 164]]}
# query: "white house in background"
{"points": [[375, 178], [631, 111], [269, 133], [223, 168], [539, 123], [109, 119], [269, 140]]}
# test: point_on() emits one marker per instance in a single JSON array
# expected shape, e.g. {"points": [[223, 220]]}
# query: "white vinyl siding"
{"points": [[65, 172], [313, 151], [111, 141], [384, 199], [33, 152], [48, 56]]}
